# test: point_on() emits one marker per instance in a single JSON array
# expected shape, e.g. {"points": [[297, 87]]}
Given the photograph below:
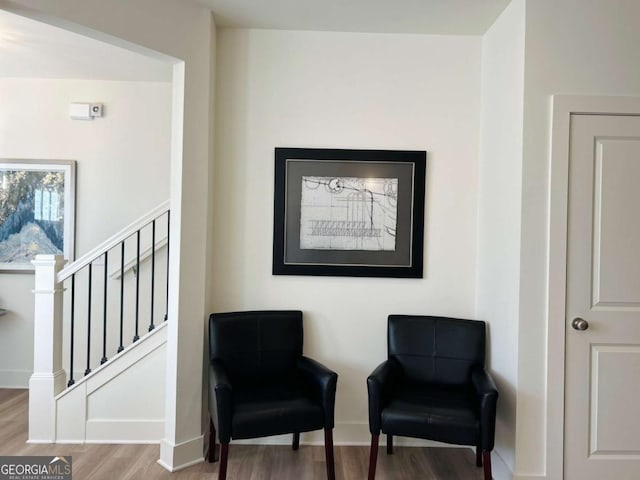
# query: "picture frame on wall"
{"points": [[340, 212], [37, 211]]}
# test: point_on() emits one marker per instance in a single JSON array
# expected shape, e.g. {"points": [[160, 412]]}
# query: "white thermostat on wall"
{"points": [[85, 111]]}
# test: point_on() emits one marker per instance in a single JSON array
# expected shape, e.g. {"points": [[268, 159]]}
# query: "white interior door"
{"points": [[602, 398]]}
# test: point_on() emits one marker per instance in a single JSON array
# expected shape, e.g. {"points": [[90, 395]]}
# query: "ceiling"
{"points": [[455, 17], [33, 49], [37, 50]]}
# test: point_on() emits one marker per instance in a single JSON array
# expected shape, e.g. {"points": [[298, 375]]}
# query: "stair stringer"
{"points": [[122, 401]]}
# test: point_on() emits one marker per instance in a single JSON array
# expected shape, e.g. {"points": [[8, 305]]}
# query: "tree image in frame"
{"points": [[31, 214]]}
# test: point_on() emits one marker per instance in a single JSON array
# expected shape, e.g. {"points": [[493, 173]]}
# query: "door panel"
{"points": [[617, 236], [602, 422], [614, 423]]}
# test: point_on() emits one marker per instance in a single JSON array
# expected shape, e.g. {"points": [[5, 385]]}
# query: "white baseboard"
{"points": [[174, 457], [15, 378], [499, 468]]}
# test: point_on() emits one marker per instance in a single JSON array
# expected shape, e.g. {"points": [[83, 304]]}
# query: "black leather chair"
{"points": [[261, 385], [433, 386]]}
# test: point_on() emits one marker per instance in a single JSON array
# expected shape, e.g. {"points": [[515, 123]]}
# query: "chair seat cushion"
{"points": [[434, 412], [273, 408]]}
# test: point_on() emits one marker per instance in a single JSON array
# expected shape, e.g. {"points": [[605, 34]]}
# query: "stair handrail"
{"points": [[114, 240]]}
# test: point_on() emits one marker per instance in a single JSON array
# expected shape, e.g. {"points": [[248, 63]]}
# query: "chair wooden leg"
{"points": [[389, 444], [212, 442], [328, 453], [224, 457], [373, 456], [478, 457], [296, 441], [486, 461]]}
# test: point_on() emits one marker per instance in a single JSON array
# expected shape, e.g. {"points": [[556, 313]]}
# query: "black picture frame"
{"points": [[369, 206]]}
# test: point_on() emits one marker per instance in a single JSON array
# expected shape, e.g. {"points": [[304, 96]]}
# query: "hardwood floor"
{"points": [[134, 462]]}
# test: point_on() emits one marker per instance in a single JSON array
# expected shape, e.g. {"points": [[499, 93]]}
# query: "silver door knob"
{"points": [[579, 324]]}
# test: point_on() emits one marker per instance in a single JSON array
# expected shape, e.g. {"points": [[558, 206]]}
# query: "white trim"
{"points": [[499, 467], [114, 240], [107, 442], [563, 107], [117, 431], [42, 387], [174, 457]]}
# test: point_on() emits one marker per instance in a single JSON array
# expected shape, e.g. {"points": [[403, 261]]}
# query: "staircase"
{"points": [[100, 339]]}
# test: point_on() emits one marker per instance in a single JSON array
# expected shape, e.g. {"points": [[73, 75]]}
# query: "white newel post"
{"points": [[48, 378]]}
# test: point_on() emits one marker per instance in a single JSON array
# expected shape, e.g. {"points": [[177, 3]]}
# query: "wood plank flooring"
{"points": [[139, 462]]}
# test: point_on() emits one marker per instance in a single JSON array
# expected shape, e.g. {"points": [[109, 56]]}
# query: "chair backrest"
{"points": [[436, 349], [256, 344]]}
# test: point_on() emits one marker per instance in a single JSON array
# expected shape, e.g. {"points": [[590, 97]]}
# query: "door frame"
{"points": [[563, 106]]}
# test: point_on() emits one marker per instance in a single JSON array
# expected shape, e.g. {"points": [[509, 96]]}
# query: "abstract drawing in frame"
{"points": [[349, 212], [36, 211]]}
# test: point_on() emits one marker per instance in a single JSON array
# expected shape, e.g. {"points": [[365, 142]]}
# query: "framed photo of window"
{"points": [[356, 213], [36, 211]]}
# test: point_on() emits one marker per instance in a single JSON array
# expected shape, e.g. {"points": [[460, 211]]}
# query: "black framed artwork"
{"points": [[357, 213]]}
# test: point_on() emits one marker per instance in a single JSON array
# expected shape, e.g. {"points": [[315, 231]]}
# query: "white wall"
{"points": [[122, 171], [341, 90], [572, 47], [499, 210]]}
